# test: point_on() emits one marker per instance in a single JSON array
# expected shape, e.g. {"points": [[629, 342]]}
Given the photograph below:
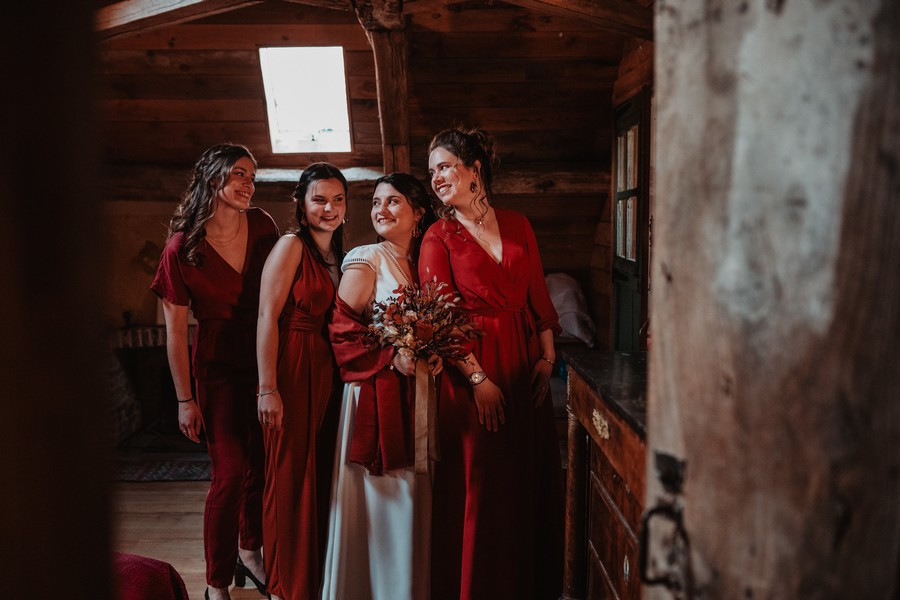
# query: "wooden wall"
{"points": [[182, 88], [543, 84]]}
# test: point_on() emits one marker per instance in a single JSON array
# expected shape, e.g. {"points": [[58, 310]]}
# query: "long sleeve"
{"points": [[545, 315], [434, 264]]}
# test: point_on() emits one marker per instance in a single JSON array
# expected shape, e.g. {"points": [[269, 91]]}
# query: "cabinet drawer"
{"points": [[599, 587], [614, 543], [625, 450], [623, 497]]}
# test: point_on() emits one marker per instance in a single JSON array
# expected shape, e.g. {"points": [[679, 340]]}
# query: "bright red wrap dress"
{"points": [[225, 304], [498, 500], [299, 458]]}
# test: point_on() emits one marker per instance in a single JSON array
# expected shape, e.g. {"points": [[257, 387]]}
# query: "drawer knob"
{"points": [[601, 425]]}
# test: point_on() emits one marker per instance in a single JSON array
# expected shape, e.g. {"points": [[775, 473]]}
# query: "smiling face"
{"points": [[451, 178], [392, 215], [239, 187], [325, 205]]}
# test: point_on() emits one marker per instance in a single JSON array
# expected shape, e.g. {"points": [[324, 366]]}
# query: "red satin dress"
{"points": [[299, 458], [498, 500], [225, 303]]}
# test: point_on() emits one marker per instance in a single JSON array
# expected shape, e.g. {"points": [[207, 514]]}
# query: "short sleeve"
{"points": [[366, 255], [169, 281]]}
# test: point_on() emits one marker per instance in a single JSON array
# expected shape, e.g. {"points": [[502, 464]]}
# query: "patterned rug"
{"points": [[151, 468]]}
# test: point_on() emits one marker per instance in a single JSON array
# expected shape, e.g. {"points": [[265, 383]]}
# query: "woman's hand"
{"points": [[435, 364], [270, 410], [189, 420], [489, 400], [540, 381], [406, 365]]}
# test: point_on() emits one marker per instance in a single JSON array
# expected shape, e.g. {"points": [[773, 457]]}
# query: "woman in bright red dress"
{"points": [[299, 388], [212, 263], [498, 488]]}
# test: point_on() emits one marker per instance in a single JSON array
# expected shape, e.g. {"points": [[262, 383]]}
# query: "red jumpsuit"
{"points": [[225, 304]]}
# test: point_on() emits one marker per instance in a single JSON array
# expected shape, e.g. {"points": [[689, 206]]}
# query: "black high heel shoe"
{"points": [[241, 573]]}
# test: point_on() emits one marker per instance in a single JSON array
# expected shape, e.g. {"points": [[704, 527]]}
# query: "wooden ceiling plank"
{"points": [[134, 16], [615, 15]]}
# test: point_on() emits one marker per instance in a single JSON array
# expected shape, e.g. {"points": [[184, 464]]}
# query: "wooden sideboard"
{"points": [[606, 473]]}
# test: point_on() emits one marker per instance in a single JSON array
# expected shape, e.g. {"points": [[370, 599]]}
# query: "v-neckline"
{"points": [[243, 261], [490, 256]]}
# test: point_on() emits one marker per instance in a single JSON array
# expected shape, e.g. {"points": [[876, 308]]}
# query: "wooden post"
{"points": [[776, 291], [576, 533], [386, 31]]}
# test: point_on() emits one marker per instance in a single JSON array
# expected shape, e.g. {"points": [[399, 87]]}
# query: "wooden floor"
{"points": [[164, 520]]}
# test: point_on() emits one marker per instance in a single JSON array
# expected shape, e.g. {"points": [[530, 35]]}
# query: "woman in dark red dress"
{"points": [[212, 263], [498, 489], [298, 384]]}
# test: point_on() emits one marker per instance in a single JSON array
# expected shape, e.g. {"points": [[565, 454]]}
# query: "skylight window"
{"points": [[306, 99]]}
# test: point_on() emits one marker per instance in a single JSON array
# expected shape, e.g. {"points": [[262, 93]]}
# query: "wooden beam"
{"points": [[135, 16], [215, 37], [390, 50], [344, 5], [536, 194], [614, 15], [386, 31], [379, 14]]}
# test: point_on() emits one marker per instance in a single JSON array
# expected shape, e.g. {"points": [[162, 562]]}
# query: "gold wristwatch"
{"points": [[476, 377]]}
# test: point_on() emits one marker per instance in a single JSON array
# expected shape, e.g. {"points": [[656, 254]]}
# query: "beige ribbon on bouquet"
{"points": [[426, 418], [426, 452]]}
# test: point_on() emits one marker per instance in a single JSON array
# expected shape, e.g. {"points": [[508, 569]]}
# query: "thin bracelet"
{"points": [[547, 359], [191, 399], [267, 393]]}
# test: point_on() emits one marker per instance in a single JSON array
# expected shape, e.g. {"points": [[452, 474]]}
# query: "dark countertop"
{"points": [[620, 378]]}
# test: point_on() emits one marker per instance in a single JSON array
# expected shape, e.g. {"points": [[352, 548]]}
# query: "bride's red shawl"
{"points": [[383, 437]]}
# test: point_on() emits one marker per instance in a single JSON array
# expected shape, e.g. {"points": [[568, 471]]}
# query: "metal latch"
{"points": [[675, 571]]}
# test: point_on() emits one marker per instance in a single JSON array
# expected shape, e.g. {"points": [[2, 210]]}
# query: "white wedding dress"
{"points": [[369, 555]]}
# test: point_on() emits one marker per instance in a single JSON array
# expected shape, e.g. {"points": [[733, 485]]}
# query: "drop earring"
{"points": [[473, 187]]}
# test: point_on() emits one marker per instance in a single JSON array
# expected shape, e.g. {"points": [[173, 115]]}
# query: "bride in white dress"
{"points": [[372, 540]]}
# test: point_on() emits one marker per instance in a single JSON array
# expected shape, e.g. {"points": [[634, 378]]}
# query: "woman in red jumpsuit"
{"points": [[212, 263], [498, 488], [299, 388]]}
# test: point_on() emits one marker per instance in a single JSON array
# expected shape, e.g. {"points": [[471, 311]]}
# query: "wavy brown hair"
{"points": [[209, 175]]}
